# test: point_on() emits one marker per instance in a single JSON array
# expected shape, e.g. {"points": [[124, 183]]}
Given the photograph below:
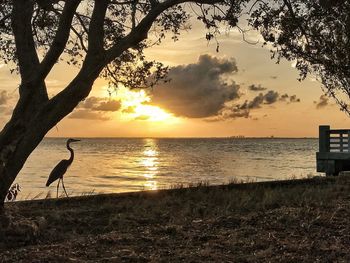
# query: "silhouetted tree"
{"points": [[315, 34], [102, 37]]}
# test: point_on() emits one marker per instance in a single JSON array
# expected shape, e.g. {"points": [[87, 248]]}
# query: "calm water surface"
{"points": [[124, 165]]}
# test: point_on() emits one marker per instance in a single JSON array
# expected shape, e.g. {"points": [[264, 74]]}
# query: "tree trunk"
{"points": [[28, 104], [31, 120], [10, 163]]}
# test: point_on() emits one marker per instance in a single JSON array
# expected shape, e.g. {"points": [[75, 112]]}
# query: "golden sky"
{"points": [[237, 91]]}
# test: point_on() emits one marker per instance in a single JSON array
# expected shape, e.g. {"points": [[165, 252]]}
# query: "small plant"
{"points": [[13, 192]]}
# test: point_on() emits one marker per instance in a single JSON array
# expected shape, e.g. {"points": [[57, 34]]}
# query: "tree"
{"points": [[315, 34], [102, 37]]}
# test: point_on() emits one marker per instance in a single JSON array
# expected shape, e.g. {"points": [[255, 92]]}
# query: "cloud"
{"points": [[100, 104], [130, 109], [142, 118], [271, 97], [94, 108], [202, 90], [322, 102], [112, 105], [198, 90], [89, 103], [6, 103], [54, 83], [284, 97], [294, 98], [89, 115], [244, 110], [254, 87], [291, 99]]}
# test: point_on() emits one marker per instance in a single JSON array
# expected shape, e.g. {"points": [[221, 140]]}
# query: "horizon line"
{"points": [[190, 137]]}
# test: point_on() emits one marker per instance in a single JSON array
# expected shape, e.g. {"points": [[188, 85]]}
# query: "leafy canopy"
{"points": [[121, 19], [313, 33]]}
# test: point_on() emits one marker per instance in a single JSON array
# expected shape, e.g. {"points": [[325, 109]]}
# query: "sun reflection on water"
{"points": [[149, 161]]}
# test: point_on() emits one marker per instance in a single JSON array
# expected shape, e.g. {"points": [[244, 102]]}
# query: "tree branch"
{"points": [[61, 38], [302, 29], [81, 86], [80, 38], [140, 32], [133, 14], [25, 47], [96, 31]]}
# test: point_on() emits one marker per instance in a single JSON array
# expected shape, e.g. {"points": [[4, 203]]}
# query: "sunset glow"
{"points": [[136, 105], [151, 113], [196, 102]]}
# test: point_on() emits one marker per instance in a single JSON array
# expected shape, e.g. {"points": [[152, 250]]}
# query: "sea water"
{"points": [[111, 165]]}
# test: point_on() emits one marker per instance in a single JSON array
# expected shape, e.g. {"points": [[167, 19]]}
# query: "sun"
{"points": [[136, 106], [151, 113]]}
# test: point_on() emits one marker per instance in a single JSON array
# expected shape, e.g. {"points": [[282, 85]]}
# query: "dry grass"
{"points": [[276, 221]]}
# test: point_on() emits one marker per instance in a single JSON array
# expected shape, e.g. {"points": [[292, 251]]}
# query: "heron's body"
{"points": [[61, 168], [58, 172]]}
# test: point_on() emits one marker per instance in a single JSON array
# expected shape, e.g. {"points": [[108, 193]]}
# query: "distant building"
{"points": [[237, 137]]}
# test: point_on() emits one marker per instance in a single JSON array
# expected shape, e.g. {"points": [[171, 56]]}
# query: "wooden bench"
{"points": [[334, 151]]}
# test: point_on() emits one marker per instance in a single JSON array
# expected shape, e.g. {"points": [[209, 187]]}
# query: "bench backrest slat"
{"points": [[333, 140]]}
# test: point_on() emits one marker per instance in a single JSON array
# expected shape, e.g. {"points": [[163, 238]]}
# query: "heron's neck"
{"points": [[71, 153]]}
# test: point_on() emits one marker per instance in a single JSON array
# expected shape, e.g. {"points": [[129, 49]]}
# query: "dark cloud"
{"points": [[253, 104], [268, 98], [291, 99], [112, 105], [273, 77], [271, 97], [100, 104], [322, 102], [234, 113], [294, 98], [243, 110], [89, 115], [284, 97], [198, 90], [4, 97], [94, 108], [89, 103], [254, 87]]}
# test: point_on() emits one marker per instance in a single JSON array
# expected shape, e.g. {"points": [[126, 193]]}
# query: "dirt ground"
{"points": [[292, 221]]}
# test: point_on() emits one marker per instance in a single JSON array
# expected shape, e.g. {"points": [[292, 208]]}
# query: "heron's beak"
{"points": [[74, 140]]}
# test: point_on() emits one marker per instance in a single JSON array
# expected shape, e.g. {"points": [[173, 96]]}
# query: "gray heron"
{"points": [[61, 168]]}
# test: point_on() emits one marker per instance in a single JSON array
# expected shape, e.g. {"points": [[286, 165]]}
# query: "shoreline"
{"points": [[239, 185], [298, 220]]}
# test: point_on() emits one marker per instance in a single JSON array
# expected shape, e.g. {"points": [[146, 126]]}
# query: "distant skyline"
{"points": [[237, 91]]}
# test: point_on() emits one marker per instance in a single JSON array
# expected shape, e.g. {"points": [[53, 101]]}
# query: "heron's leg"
{"points": [[64, 188], [58, 184]]}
